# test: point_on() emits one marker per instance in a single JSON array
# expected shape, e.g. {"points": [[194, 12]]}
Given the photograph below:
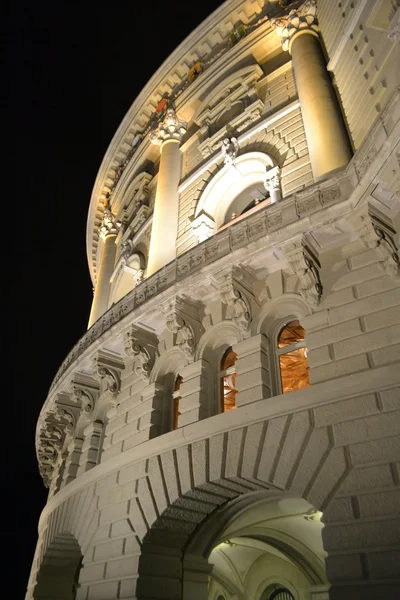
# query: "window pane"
{"points": [[294, 370], [228, 382], [290, 334], [229, 392]]}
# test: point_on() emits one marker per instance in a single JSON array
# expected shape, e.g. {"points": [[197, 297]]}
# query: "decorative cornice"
{"points": [[171, 128], [300, 20]]}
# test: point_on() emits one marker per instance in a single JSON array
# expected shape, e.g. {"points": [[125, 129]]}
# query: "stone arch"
{"points": [[163, 376], [229, 183], [59, 570], [284, 454]]}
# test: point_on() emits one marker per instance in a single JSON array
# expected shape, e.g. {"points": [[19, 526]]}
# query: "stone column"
{"points": [[108, 232], [272, 184], [168, 136], [327, 138]]}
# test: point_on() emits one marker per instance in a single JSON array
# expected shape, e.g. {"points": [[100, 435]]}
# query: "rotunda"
{"points": [[228, 426]]}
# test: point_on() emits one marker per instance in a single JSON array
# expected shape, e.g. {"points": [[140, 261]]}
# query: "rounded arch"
{"points": [[216, 340], [229, 183], [59, 571]]}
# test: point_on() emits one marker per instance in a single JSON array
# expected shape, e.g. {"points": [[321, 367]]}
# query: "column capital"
{"points": [[272, 179], [299, 20], [109, 224], [170, 128]]}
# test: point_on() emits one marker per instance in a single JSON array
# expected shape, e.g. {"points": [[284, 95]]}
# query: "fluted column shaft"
{"points": [[166, 206], [327, 139], [102, 291]]}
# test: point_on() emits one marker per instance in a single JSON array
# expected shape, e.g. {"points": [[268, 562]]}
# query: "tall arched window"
{"points": [[292, 356], [176, 396], [227, 377]]}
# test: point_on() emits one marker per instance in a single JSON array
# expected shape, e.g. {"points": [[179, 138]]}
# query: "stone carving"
{"points": [[142, 359], [108, 375], [305, 264], [375, 233], [203, 226], [126, 250], [171, 128], [65, 417], [393, 33], [303, 17], [184, 333], [83, 398], [233, 297], [272, 183], [110, 225], [230, 149]]}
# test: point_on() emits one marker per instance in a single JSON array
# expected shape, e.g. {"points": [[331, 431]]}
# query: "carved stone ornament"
{"points": [[184, 333], [142, 360], [272, 179], [126, 250], [305, 264], [81, 396], [110, 225], [66, 417], [170, 128], [203, 226], [376, 233], [230, 149], [108, 375], [393, 33], [241, 312], [298, 19]]}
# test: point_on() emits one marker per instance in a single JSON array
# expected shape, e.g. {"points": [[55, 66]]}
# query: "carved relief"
{"points": [[305, 264], [177, 324], [375, 233], [233, 295], [108, 373], [301, 18], [171, 128], [84, 396], [230, 149], [142, 351]]}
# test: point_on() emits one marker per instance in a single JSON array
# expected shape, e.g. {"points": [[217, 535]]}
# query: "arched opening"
{"points": [[292, 356], [58, 576]]}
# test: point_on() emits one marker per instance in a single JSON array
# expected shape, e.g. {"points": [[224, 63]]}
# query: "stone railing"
{"points": [[257, 225]]}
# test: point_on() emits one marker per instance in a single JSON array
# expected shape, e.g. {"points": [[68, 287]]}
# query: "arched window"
{"points": [[227, 377], [176, 396], [292, 356]]}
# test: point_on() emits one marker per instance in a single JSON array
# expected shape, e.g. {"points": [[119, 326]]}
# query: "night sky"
{"points": [[73, 70]]}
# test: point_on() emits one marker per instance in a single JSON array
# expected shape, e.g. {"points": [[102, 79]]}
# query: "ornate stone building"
{"points": [[228, 426]]}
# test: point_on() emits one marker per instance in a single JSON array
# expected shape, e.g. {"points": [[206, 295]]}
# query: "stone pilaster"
{"points": [[72, 461], [91, 447], [194, 403], [252, 368], [168, 135]]}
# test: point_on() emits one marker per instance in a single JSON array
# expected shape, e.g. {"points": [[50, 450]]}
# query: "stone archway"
{"points": [[59, 571]]}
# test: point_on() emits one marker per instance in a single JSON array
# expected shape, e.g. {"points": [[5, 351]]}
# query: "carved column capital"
{"points": [[299, 20], [170, 128], [141, 347], [109, 225], [272, 179], [304, 263]]}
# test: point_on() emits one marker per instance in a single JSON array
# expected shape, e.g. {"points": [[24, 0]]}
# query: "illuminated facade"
{"points": [[228, 427]]}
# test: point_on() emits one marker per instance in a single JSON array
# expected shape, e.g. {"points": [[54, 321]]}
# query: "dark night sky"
{"points": [[74, 69]]}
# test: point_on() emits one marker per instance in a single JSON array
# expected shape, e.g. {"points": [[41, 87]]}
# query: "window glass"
{"points": [[228, 380], [292, 355]]}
